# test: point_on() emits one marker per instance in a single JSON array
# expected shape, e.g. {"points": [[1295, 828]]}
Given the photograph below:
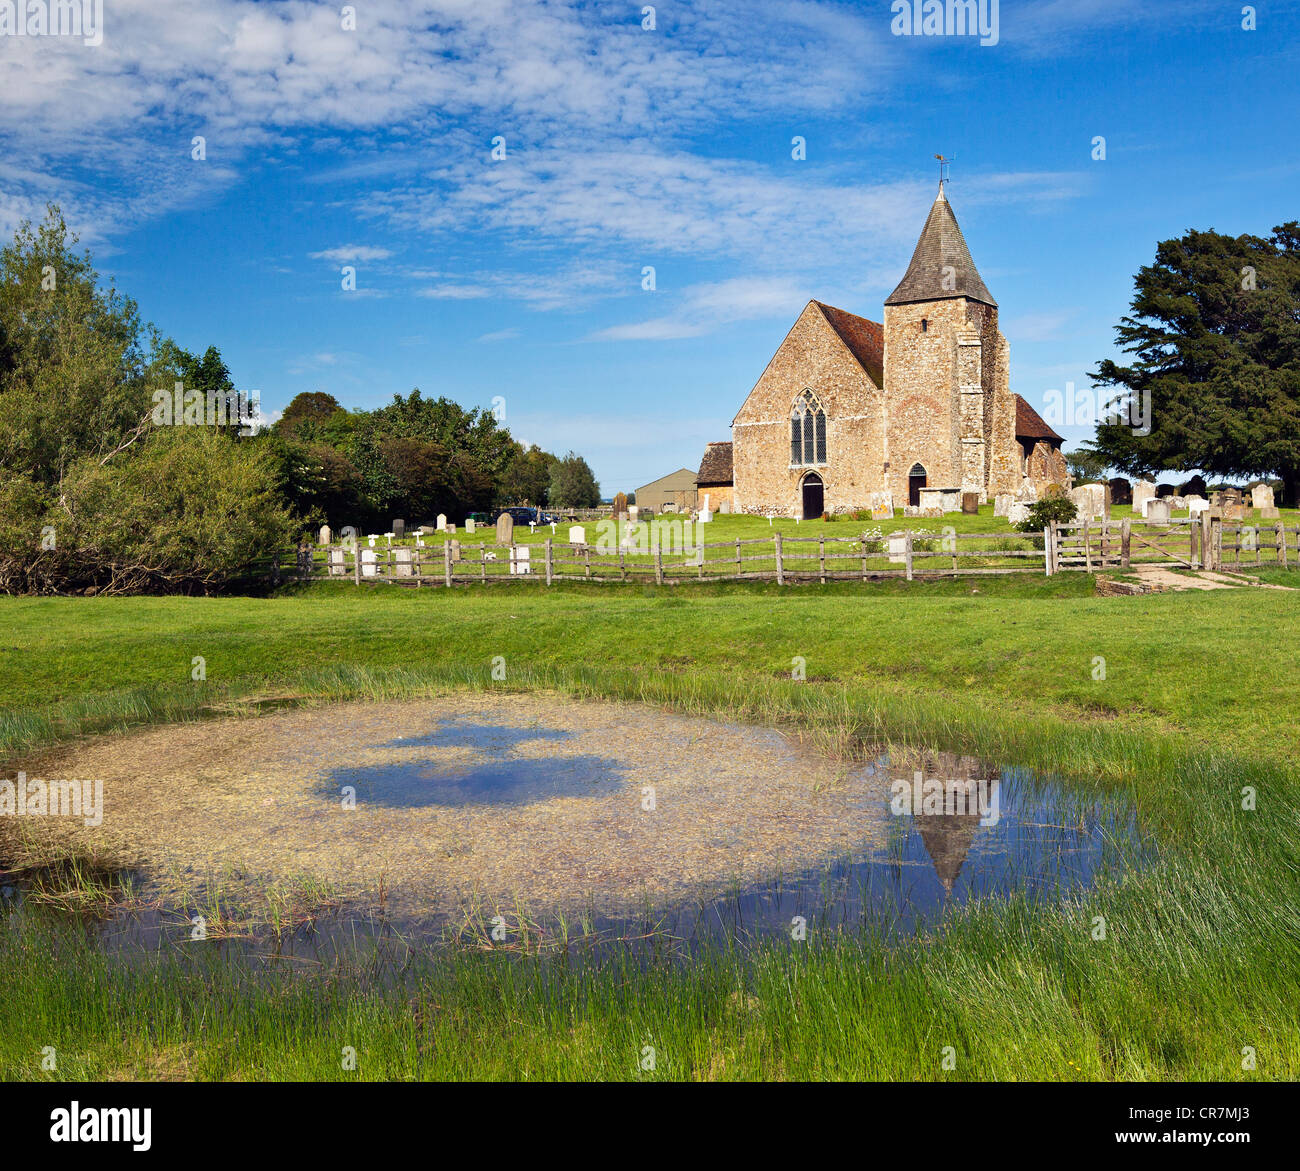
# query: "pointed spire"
{"points": [[941, 266]]}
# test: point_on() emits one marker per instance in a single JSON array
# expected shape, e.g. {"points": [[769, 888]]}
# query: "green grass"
{"points": [[1200, 955]]}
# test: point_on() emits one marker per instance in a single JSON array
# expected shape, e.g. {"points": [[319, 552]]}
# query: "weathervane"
{"points": [[944, 164]]}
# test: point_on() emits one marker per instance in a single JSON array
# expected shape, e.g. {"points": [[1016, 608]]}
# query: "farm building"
{"points": [[674, 492], [853, 414]]}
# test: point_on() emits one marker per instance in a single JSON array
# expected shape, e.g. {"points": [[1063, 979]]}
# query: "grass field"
{"points": [[1200, 959]]}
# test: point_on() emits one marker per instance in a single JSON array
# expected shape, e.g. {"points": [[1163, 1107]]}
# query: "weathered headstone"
{"points": [[1163, 490], [1002, 502], [325, 536], [1090, 501], [970, 503], [897, 548], [338, 563], [451, 529], [442, 522], [469, 525], [455, 550], [368, 567], [1143, 490], [1196, 505], [620, 506], [577, 535], [399, 529], [402, 561], [1157, 511], [1269, 512], [520, 559], [881, 505], [505, 529], [1261, 496], [1121, 490]]}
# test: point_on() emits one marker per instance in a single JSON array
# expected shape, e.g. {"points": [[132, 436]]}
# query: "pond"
{"points": [[524, 819]]}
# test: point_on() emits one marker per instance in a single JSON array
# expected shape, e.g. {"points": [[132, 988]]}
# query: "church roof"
{"points": [[865, 339], [1030, 425], [941, 246], [715, 467]]}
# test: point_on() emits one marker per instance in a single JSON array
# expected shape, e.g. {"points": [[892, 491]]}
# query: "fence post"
{"points": [[586, 560], [1126, 543], [659, 563], [821, 555], [446, 561], [548, 560], [1047, 550], [739, 563], [1087, 548], [907, 553], [356, 560], [780, 568], [1281, 544]]}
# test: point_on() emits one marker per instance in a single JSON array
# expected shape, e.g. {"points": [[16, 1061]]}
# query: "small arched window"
{"points": [[807, 430]]}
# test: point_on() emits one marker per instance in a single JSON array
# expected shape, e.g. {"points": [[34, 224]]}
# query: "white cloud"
{"points": [[346, 253]]}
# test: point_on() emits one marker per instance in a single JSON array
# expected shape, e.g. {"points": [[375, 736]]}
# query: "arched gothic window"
{"points": [[807, 430]]}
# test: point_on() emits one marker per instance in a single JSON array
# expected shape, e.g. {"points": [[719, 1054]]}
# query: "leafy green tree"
{"points": [[1085, 465], [1214, 328], [527, 478], [573, 485]]}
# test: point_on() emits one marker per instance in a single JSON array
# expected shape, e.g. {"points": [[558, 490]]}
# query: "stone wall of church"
{"points": [[814, 356]]}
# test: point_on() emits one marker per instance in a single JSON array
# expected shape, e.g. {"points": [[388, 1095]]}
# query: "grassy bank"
{"points": [[1199, 955]]}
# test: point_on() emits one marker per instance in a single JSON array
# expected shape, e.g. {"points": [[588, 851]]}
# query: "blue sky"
{"points": [[625, 148]]}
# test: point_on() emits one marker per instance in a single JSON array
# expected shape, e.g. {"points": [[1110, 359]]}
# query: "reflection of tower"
{"points": [[947, 836]]}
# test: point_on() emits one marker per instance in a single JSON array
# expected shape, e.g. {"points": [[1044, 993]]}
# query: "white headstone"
{"points": [[520, 559], [469, 525], [1261, 496], [1196, 505], [577, 535], [338, 563], [897, 548], [1090, 501], [325, 535], [1157, 511], [1002, 502], [402, 565], [368, 567], [442, 523], [1143, 491]]}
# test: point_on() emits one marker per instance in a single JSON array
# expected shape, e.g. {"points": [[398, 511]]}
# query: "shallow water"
{"points": [[920, 833]]}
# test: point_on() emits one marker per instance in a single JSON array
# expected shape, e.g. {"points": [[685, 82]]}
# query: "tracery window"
{"points": [[807, 430]]}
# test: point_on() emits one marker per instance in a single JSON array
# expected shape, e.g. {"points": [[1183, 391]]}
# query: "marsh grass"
{"points": [[1199, 955]]}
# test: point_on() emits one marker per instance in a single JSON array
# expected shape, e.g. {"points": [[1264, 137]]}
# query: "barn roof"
{"points": [[1030, 425], [941, 246], [865, 339], [715, 467]]}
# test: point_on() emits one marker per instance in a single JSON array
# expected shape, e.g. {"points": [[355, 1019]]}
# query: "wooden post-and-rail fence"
{"points": [[1091, 546]]}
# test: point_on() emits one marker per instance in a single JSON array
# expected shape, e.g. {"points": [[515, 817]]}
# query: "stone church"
{"points": [[857, 414]]}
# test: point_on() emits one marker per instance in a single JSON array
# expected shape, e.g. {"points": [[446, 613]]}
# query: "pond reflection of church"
{"points": [[948, 824]]}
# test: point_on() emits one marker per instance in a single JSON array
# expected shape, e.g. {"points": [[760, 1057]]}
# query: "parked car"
{"points": [[523, 515], [482, 518]]}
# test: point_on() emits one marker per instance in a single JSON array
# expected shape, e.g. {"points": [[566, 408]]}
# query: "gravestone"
{"points": [[1269, 512], [469, 525], [399, 529], [1261, 496], [1018, 513], [1163, 490], [620, 506], [1196, 505], [427, 530], [451, 529], [505, 529], [455, 550], [368, 567], [1121, 490], [325, 536], [881, 505], [897, 548], [1193, 487], [1002, 502], [442, 523], [1157, 511], [633, 512], [1234, 510], [970, 503], [577, 535], [1143, 490], [1090, 501], [338, 563], [520, 559], [402, 561]]}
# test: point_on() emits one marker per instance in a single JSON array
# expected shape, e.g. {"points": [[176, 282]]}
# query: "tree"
{"points": [[1215, 329], [1085, 465], [527, 478], [309, 416], [573, 485]]}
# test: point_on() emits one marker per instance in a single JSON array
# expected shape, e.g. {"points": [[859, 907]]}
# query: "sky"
{"points": [[500, 174]]}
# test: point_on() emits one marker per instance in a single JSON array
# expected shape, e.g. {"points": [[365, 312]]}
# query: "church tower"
{"points": [[951, 417]]}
